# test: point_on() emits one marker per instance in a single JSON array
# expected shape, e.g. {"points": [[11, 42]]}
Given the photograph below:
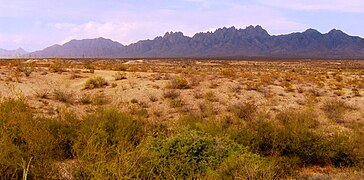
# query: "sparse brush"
{"points": [[176, 103], [42, 93], [100, 99], [85, 99], [119, 76], [57, 65], [95, 82], [245, 111], [179, 83], [172, 94], [228, 72], [210, 96], [335, 110], [153, 98], [26, 68], [63, 95]]}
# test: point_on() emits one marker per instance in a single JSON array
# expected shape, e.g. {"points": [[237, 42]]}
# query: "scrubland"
{"points": [[181, 119]]}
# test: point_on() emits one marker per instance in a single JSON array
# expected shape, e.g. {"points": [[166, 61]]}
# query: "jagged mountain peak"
{"points": [[253, 41], [311, 31]]}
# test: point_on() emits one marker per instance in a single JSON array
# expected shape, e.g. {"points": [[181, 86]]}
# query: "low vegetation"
{"points": [[109, 143], [95, 82], [190, 119]]}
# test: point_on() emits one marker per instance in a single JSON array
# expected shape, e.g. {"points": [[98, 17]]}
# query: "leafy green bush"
{"points": [[189, 154]]}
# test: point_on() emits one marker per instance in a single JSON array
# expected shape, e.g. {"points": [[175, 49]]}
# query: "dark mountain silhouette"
{"points": [[12, 53], [224, 42], [87, 48]]}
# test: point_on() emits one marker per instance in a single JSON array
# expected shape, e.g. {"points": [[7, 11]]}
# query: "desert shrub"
{"points": [[104, 142], [57, 65], [100, 99], [172, 94], [119, 76], [293, 136], [42, 93], [85, 99], [179, 83], [335, 109], [228, 72], [245, 111], [95, 82], [246, 166], [189, 154], [210, 96], [153, 98], [63, 95], [176, 103], [26, 68], [25, 140], [121, 67]]}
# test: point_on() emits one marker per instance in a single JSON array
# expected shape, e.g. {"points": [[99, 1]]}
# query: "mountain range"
{"points": [[12, 53], [222, 43]]}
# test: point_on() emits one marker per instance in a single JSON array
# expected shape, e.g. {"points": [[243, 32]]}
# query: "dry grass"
{"points": [[187, 119]]}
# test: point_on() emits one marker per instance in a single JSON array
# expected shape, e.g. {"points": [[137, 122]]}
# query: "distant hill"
{"points": [[12, 53], [224, 42], [87, 48]]}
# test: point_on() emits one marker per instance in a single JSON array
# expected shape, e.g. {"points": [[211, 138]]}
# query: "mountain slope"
{"points": [[12, 53], [224, 42], [87, 48]]}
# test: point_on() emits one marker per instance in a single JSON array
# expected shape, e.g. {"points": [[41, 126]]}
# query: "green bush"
{"points": [[102, 141], [292, 135], [25, 140], [189, 154], [246, 166]]}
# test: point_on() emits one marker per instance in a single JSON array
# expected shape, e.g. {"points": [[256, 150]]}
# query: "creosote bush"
{"points": [[109, 144], [335, 110], [57, 65], [95, 82], [179, 83], [119, 76]]}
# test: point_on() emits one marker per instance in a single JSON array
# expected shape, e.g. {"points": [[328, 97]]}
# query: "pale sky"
{"points": [[36, 24]]}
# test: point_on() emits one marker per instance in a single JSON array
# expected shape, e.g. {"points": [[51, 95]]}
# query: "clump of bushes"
{"points": [[104, 142], [114, 145], [119, 76], [179, 83], [57, 65], [245, 111], [30, 145], [63, 95], [95, 82], [172, 94], [335, 110], [26, 68], [292, 135], [189, 154]]}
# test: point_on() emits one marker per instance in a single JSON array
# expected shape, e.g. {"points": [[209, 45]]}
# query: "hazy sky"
{"points": [[36, 24]]}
